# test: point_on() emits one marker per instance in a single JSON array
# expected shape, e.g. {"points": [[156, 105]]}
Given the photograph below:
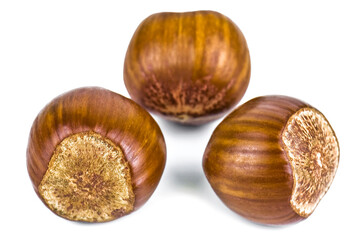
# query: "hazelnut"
{"points": [[272, 159], [94, 155], [187, 67]]}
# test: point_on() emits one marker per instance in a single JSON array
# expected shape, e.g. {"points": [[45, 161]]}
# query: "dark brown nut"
{"points": [[94, 155], [187, 67], [272, 159]]}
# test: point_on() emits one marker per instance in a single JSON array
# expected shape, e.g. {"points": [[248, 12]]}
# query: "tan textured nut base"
{"points": [[88, 179], [313, 152]]}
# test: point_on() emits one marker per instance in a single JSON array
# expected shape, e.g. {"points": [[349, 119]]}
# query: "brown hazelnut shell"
{"points": [[187, 67], [248, 167], [111, 115]]}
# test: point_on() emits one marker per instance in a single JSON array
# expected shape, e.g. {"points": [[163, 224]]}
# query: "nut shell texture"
{"points": [[272, 159], [188, 67], [112, 122]]}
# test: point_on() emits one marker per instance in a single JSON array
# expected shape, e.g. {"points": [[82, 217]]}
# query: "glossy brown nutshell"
{"points": [[94, 155], [272, 159], [188, 67]]}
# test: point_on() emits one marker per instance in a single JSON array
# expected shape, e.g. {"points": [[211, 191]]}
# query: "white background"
{"points": [[310, 50]]}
